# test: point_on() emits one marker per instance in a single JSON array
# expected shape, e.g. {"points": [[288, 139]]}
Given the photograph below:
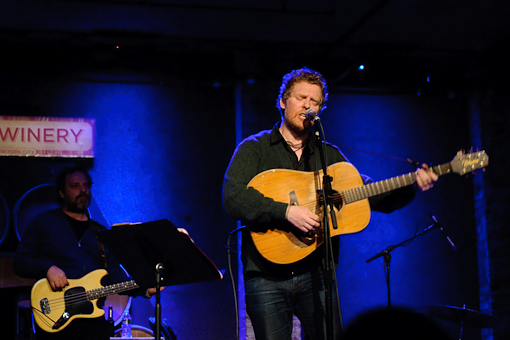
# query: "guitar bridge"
{"points": [[45, 306]]}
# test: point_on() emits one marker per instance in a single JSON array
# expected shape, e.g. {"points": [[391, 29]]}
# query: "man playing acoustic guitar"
{"points": [[60, 245], [277, 285]]}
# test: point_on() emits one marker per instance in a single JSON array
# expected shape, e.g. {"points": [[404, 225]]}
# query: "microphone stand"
{"points": [[387, 256], [327, 195]]}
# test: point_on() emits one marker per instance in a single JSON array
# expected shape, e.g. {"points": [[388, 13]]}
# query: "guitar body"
{"points": [[350, 198], [53, 311], [303, 188]]}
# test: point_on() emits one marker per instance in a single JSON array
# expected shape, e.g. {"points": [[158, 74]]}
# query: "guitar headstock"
{"points": [[464, 163]]}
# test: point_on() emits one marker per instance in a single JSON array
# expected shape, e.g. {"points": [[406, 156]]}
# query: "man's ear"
{"points": [[282, 103], [61, 194]]}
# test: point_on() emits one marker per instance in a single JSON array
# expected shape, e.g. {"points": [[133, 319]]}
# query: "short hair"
{"points": [[60, 181], [303, 74]]}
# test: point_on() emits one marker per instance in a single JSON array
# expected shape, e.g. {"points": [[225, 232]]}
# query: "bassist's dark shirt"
{"points": [[79, 227], [50, 239]]}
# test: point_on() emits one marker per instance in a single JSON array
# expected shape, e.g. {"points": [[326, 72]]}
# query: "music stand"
{"points": [[158, 254]]}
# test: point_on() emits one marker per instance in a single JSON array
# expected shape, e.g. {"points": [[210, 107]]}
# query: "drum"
{"points": [[42, 198], [137, 332], [119, 304], [5, 219], [35, 201]]}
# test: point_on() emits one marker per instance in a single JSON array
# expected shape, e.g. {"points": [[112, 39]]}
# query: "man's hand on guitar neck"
{"points": [[425, 178], [302, 218], [152, 291], [57, 278]]}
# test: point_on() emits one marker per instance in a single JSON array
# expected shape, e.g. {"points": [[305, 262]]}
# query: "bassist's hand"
{"points": [[302, 218], [57, 278]]}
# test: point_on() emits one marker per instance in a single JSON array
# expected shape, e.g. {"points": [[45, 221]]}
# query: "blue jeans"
{"points": [[271, 304]]}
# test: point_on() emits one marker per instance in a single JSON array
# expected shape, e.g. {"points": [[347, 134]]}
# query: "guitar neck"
{"points": [[376, 188], [98, 293]]}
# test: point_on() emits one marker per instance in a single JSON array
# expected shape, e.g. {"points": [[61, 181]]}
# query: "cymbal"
{"points": [[460, 315]]}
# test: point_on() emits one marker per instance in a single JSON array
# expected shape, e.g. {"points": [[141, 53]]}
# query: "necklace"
{"points": [[296, 147], [292, 146]]}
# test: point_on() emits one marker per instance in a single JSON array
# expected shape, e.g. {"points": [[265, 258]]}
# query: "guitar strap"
{"points": [[100, 245]]}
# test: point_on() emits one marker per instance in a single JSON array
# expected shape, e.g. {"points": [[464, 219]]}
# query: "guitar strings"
{"points": [[45, 315], [74, 299], [84, 296]]}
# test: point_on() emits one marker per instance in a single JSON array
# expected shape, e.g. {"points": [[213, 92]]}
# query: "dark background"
{"points": [[175, 85]]}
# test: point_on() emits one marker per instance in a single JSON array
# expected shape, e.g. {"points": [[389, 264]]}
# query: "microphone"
{"points": [[311, 115], [436, 223]]}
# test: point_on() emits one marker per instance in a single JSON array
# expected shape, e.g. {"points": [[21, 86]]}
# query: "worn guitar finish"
{"points": [[53, 311], [352, 210]]}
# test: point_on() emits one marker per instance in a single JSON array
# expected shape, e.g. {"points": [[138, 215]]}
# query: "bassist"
{"points": [[60, 244]]}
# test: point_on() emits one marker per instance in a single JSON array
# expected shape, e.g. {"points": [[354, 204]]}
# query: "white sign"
{"points": [[47, 137]]}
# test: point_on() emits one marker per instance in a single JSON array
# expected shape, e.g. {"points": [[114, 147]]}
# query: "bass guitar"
{"points": [[350, 198], [54, 311]]}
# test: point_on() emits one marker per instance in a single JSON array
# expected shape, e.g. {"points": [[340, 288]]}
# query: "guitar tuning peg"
{"points": [[415, 163], [483, 169], [474, 173]]}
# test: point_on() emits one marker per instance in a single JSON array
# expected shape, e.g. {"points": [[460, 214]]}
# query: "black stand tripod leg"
{"points": [[387, 259], [159, 270]]}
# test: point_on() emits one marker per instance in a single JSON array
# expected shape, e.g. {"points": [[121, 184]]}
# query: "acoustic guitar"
{"points": [[54, 311], [350, 198]]}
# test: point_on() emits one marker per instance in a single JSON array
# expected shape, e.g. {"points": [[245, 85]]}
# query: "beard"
{"points": [[79, 204], [296, 124]]}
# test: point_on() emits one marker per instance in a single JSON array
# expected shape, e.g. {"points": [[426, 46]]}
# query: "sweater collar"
{"points": [[276, 137]]}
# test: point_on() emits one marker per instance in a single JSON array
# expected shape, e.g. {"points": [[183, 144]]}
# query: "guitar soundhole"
{"points": [[338, 200], [309, 237]]}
